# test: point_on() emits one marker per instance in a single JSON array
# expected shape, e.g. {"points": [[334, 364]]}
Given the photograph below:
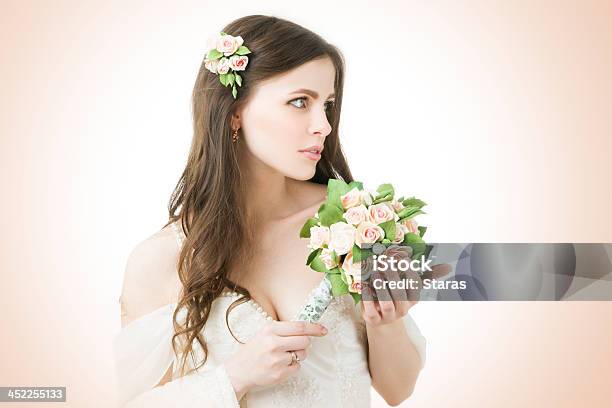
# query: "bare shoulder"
{"points": [[150, 279]]}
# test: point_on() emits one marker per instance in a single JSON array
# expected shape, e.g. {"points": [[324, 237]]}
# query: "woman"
{"points": [[207, 301]]}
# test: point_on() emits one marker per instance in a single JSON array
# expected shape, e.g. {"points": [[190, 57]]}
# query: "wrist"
{"points": [[240, 385], [393, 328]]}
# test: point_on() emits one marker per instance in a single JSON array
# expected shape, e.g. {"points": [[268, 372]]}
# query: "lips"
{"points": [[313, 149]]}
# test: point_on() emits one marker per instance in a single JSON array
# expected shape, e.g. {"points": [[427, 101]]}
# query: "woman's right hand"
{"points": [[266, 358]]}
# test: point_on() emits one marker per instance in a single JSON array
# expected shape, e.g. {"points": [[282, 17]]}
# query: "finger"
{"points": [[287, 343], [288, 357], [398, 295], [297, 328], [370, 315], [385, 301]]}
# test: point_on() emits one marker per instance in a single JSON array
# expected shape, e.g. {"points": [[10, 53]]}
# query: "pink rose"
{"points": [[368, 233], [352, 273], [319, 236], [223, 66], [238, 62], [228, 44], [399, 233], [379, 213], [342, 237], [356, 215], [397, 205], [351, 199]]}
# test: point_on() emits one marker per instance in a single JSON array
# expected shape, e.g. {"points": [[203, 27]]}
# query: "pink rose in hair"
{"points": [[238, 62], [228, 44]]}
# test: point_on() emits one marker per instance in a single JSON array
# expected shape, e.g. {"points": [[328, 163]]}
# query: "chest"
{"points": [[277, 277]]}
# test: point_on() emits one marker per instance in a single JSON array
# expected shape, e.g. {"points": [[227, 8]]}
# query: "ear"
{"points": [[235, 121]]}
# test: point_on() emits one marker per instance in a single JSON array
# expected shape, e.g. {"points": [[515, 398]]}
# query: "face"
{"points": [[286, 115]]}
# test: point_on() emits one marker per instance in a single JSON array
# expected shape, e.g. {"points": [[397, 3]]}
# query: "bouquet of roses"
{"points": [[343, 231]]}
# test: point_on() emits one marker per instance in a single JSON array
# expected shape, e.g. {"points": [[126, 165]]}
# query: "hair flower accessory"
{"points": [[228, 56]]}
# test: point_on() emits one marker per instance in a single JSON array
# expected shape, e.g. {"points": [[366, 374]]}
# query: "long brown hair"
{"points": [[208, 198]]}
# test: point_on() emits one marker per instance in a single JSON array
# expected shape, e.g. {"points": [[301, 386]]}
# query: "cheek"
{"points": [[273, 136], [270, 129]]}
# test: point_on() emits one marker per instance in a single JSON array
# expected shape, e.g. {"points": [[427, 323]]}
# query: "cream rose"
{"points": [[410, 225], [368, 233], [223, 66], [211, 65], [228, 44], [327, 256], [319, 236], [341, 237], [356, 215], [366, 197], [238, 62], [399, 233], [351, 199], [379, 213]]}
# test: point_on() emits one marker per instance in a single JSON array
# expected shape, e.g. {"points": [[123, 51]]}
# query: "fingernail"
{"points": [[324, 330]]}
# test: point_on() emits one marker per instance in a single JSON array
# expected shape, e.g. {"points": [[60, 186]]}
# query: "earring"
{"points": [[235, 136]]}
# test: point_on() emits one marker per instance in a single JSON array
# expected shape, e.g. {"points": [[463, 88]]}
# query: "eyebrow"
{"points": [[312, 93]]}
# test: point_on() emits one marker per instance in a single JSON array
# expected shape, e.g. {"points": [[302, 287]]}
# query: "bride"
{"points": [[207, 301]]}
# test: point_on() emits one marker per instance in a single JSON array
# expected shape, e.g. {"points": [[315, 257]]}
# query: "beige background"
{"points": [[497, 114]]}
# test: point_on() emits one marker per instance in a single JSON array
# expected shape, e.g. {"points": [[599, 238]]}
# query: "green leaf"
{"points": [[318, 265], [422, 231], [335, 271], [413, 202], [330, 214], [383, 198], [416, 243], [385, 189], [356, 297], [238, 79], [335, 189], [234, 91], [338, 285], [386, 241], [343, 276], [356, 253], [305, 231], [214, 54], [223, 79], [389, 228], [409, 212], [230, 79], [357, 184], [242, 50], [312, 255]]}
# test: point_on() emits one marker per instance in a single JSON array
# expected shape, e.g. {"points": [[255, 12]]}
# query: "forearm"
{"points": [[393, 360]]}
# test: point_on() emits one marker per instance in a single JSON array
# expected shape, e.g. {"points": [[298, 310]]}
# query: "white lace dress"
{"points": [[335, 374]]}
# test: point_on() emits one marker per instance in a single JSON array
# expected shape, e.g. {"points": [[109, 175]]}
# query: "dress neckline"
{"points": [[257, 307]]}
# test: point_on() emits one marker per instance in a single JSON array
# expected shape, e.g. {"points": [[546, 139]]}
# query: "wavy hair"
{"points": [[208, 198]]}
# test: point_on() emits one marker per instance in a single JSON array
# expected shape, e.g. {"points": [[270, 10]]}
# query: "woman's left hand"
{"points": [[384, 306]]}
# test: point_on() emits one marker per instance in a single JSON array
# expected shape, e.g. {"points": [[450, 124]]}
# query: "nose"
{"points": [[320, 125]]}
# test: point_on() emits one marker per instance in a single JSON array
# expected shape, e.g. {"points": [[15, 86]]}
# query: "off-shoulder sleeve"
{"points": [[143, 353], [419, 341]]}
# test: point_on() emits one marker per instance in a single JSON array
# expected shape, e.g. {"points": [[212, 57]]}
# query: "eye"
{"points": [[302, 99], [329, 105]]}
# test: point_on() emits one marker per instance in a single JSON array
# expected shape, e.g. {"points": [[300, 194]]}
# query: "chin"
{"points": [[302, 174]]}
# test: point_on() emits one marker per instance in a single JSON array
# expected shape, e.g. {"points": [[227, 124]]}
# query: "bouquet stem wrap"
{"points": [[317, 302]]}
